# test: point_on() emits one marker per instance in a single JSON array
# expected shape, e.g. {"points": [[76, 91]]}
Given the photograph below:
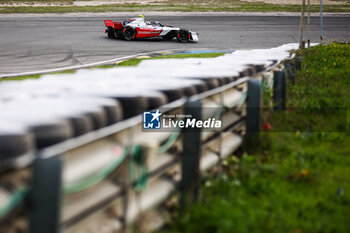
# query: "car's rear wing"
{"points": [[115, 25]]}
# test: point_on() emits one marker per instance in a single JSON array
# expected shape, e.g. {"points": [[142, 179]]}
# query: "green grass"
{"points": [[136, 61], [232, 7], [324, 76], [294, 181], [35, 76], [319, 94], [105, 66], [20, 78]]}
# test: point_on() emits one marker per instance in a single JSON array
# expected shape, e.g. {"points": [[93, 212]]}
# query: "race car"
{"points": [[136, 28]]}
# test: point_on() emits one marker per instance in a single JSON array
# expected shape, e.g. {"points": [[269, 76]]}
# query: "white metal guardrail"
{"points": [[73, 154]]}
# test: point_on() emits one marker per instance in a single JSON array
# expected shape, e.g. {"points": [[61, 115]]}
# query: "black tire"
{"points": [[211, 83], [183, 36], [114, 112], [172, 94], [189, 91], [111, 33], [119, 34], [47, 134], [81, 124], [201, 87], [129, 33], [14, 144], [98, 117], [132, 105], [156, 99]]}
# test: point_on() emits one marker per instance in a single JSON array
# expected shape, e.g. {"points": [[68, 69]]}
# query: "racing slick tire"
{"points": [[183, 36], [110, 33], [119, 34], [129, 33]]}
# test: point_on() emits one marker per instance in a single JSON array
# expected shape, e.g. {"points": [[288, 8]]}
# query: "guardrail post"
{"points": [[290, 72], [190, 182], [279, 90], [46, 195], [298, 63], [253, 106]]}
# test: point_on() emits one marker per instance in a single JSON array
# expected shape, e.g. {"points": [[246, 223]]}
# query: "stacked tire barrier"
{"points": [[74, 158]]}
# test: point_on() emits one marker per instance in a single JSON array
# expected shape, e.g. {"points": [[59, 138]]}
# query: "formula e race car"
{"points": [[135, 28]]}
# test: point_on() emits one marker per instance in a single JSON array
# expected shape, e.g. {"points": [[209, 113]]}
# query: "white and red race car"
{"points": [[136, 28]]}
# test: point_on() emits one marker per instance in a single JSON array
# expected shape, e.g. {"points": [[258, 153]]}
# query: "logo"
{"points": [[147, 32], [167, 121], [151, 120]]}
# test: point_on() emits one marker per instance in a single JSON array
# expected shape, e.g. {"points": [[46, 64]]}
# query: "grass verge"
{"points": [[34, 76], [295, 181], [136, 61], [131, 62]]}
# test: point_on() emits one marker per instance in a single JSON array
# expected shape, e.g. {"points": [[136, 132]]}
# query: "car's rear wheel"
{"points": [[110, 33], [129, 33], [119, 34], [183, 36]]}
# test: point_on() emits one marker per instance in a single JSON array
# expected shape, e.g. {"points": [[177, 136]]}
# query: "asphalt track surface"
{"points": [[33, 43]]}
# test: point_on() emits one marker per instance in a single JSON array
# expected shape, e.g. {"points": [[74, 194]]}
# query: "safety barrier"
{"points": [[103, 179]]}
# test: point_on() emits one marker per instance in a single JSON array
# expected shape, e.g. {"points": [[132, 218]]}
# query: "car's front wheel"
{"points": [[129, 33], [183, 36]]}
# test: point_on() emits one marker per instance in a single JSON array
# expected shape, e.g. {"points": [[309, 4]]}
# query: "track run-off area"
{"points": [[40, 42]]}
